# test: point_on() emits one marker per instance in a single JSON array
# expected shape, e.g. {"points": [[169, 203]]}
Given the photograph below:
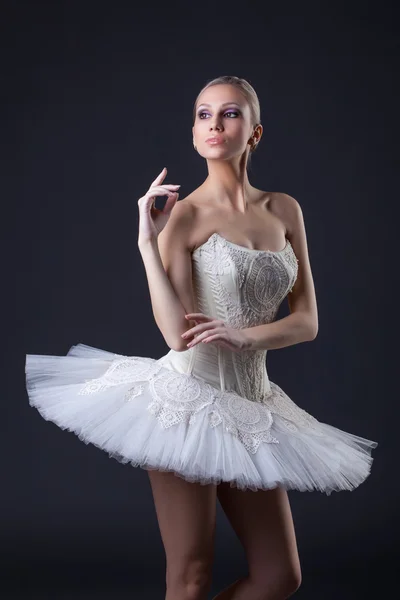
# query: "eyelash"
{"points": [[202, 112]]}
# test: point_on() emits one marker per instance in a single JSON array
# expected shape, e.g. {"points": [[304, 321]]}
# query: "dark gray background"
{"points": [[97, 99]]}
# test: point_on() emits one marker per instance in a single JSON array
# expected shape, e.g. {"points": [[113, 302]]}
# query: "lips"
{"points": [[215, 140]]}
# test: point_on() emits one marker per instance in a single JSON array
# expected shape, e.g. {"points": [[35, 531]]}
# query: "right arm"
{"points": [[168, 264]]}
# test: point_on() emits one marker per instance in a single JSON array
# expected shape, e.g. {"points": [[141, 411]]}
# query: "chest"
{"points": [[258, 229]]}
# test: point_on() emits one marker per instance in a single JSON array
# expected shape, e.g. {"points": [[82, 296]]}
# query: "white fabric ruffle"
{"points": [[133, 416]]}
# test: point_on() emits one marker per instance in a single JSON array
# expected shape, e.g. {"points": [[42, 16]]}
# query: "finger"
{"points": [[170, 203], [171, 186], [162, 189], [203, 334], [197, 316], [201, 339], [193, 342], [204, 327], [215, 336], [151, 195], [195, 330], [219, 340], [160, 177]]}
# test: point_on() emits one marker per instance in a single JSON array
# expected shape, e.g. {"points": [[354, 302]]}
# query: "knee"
{"points": [[288, 582], [190, 583], [293, 582], [279, 583], [197, 589]]}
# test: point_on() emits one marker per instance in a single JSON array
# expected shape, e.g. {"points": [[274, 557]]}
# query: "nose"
{"points": [[216, 123]]}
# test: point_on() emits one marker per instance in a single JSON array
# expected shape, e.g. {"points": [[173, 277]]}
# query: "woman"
{"points": [[204, 420]]}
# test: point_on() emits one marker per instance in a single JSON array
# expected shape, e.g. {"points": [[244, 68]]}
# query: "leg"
{"points": [[263, 523], [186, 516]]}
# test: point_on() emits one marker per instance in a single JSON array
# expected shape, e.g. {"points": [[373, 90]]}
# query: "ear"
{"points": [[260, 130]]}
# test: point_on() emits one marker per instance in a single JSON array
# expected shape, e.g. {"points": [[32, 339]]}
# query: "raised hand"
{"points": [[152, 220]]}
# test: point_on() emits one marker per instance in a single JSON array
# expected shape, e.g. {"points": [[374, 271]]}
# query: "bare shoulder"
{"points": [[287, 209], [183, 210], [289, 212]]}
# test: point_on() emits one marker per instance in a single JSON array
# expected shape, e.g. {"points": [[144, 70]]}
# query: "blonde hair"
{"points": [[248, 92]]}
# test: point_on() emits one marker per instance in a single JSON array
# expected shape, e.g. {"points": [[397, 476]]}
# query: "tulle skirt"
{"points": [[142, 414]]}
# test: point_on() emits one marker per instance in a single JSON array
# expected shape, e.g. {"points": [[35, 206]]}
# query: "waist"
{"points": [[242, 372]]}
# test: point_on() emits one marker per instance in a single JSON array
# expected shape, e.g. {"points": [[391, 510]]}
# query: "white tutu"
{"points": [[142, 412]]}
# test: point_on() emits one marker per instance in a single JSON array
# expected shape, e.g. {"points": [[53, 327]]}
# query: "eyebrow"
{"points": [[224, 104]]}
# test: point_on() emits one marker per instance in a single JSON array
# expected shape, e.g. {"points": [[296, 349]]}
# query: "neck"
{"points": [[228, 184]]}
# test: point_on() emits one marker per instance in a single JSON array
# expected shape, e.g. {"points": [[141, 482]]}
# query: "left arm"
{"points": [[302, 323]]}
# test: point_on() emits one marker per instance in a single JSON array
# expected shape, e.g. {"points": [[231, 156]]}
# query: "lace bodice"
{"points": [[244, 288]]}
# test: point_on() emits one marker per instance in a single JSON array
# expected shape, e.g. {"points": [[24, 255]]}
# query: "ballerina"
{"points": [[204, 420]]}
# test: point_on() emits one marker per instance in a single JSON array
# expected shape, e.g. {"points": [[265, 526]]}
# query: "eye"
{"points": [[232, 112], [228, 112]]}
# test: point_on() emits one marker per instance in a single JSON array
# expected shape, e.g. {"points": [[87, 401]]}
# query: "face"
{"points": [[222, 111]]}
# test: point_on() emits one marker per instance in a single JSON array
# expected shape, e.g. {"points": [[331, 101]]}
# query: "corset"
{"points": [[244, 288]]}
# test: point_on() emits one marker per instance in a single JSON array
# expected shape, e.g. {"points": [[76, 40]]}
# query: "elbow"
{"points": [[173, 339], [312, 331], [178, 345], [175, 346]]}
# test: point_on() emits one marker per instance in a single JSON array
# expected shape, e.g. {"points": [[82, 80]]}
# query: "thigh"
{"points": [[186, 514], [264, 525]]}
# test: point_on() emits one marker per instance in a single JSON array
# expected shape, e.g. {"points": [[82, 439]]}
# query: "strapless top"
{"points": [[244, 288]]}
